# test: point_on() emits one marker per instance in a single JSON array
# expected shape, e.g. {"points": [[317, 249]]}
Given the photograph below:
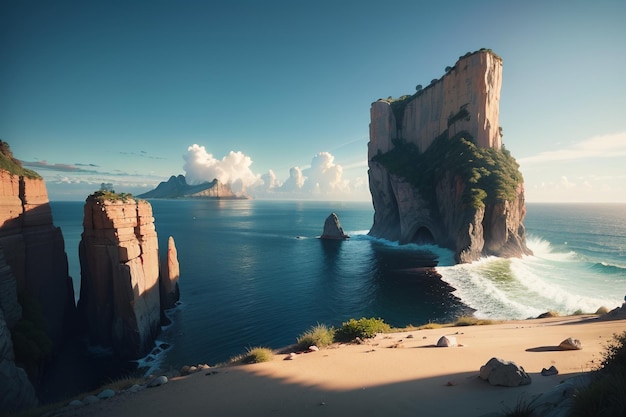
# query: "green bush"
{"points": [[319, 335], [363, 328], [489, 175], [12, 165]]}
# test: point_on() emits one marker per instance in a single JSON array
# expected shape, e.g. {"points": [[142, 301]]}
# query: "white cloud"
{"points": [[323, 178], [295, 181], [233, 169], [606, 146]]}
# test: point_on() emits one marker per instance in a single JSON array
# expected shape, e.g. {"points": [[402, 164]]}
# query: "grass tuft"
{"points": [[253, 355], [471, 321], [319, 335]]}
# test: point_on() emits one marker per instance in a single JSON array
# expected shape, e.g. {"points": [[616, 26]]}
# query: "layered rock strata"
{"points": [[119, 297], [464, 103], [33, 263]]}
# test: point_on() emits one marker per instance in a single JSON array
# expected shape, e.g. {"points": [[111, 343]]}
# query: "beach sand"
{"points": [[395, 374]]}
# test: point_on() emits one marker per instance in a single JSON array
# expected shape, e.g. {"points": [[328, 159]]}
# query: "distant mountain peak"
{"points": [[177, 187]]}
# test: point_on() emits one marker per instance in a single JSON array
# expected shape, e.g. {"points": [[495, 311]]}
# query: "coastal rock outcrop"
{"points": [[437, 170], [177, 187], [33, 266], [168, 279], [119, 295], [333, 229]]}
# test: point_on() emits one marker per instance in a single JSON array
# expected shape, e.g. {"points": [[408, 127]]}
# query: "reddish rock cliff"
{"points": [[463, 104], [120, 296], [33, 264], [34, 249]]}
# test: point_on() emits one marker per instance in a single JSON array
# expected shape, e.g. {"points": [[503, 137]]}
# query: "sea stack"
{"points": [[119, 294], [437, 170], [333, 229]]}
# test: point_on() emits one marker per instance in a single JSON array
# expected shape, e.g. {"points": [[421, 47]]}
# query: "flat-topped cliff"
{"points": [[34, 271], [120, 295], [437, 169]]}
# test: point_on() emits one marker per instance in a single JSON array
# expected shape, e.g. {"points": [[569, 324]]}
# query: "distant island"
{"points": [[177, 187]]}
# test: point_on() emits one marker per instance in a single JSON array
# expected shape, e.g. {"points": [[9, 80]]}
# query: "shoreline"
{"points": [[399, 373]]}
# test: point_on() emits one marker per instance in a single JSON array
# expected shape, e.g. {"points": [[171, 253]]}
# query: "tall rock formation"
{"points": [[437, 170], [33, 264], [170, 273], [120, 296]]}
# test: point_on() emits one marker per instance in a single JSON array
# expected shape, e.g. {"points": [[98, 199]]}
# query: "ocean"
{"points": [[254, 273]]}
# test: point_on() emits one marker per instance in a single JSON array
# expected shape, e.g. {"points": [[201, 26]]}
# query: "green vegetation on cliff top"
{"points": [[489, 175], [103, 195], [12, 165]]}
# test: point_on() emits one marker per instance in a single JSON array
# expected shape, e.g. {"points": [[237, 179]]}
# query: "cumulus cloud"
{"points": [[323, 178], [295, 181], [233, 169]]}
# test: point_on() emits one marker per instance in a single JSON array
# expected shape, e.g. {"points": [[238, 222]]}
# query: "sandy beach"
{"points": [[394, 374]]}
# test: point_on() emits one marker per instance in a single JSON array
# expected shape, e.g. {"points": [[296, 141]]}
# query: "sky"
{"points": [[274, 96]]}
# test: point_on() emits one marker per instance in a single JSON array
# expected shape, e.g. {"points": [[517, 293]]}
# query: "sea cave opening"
{"points": [[423, 236]]}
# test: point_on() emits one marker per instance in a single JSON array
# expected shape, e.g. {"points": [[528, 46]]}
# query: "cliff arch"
{"points": [[423, 236]]}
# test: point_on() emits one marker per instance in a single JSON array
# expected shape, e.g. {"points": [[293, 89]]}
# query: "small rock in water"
{"points": [[158, 381], [76, 403]]}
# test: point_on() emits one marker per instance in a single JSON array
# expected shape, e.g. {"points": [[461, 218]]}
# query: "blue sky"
{"points": [[279, 91]]}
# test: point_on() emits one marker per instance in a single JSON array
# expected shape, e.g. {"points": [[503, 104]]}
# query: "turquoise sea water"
{"points": [[253, 273]]}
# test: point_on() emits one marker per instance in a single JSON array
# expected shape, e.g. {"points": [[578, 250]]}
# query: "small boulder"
{"points": [[158, 381], [313, 349], [135, 388], [570, 344], [333, 229], [76, 403], [107, 393], [90, 399], [447, 341], [550, 371], [291, 356], [504, 373]]}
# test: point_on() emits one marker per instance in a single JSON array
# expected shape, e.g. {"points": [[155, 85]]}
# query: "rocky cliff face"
{"points": [[461, 109], [120, 297], [33, 263]]}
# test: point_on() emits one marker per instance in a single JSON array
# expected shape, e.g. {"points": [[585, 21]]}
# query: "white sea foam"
{"points": [[519, 288]]}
